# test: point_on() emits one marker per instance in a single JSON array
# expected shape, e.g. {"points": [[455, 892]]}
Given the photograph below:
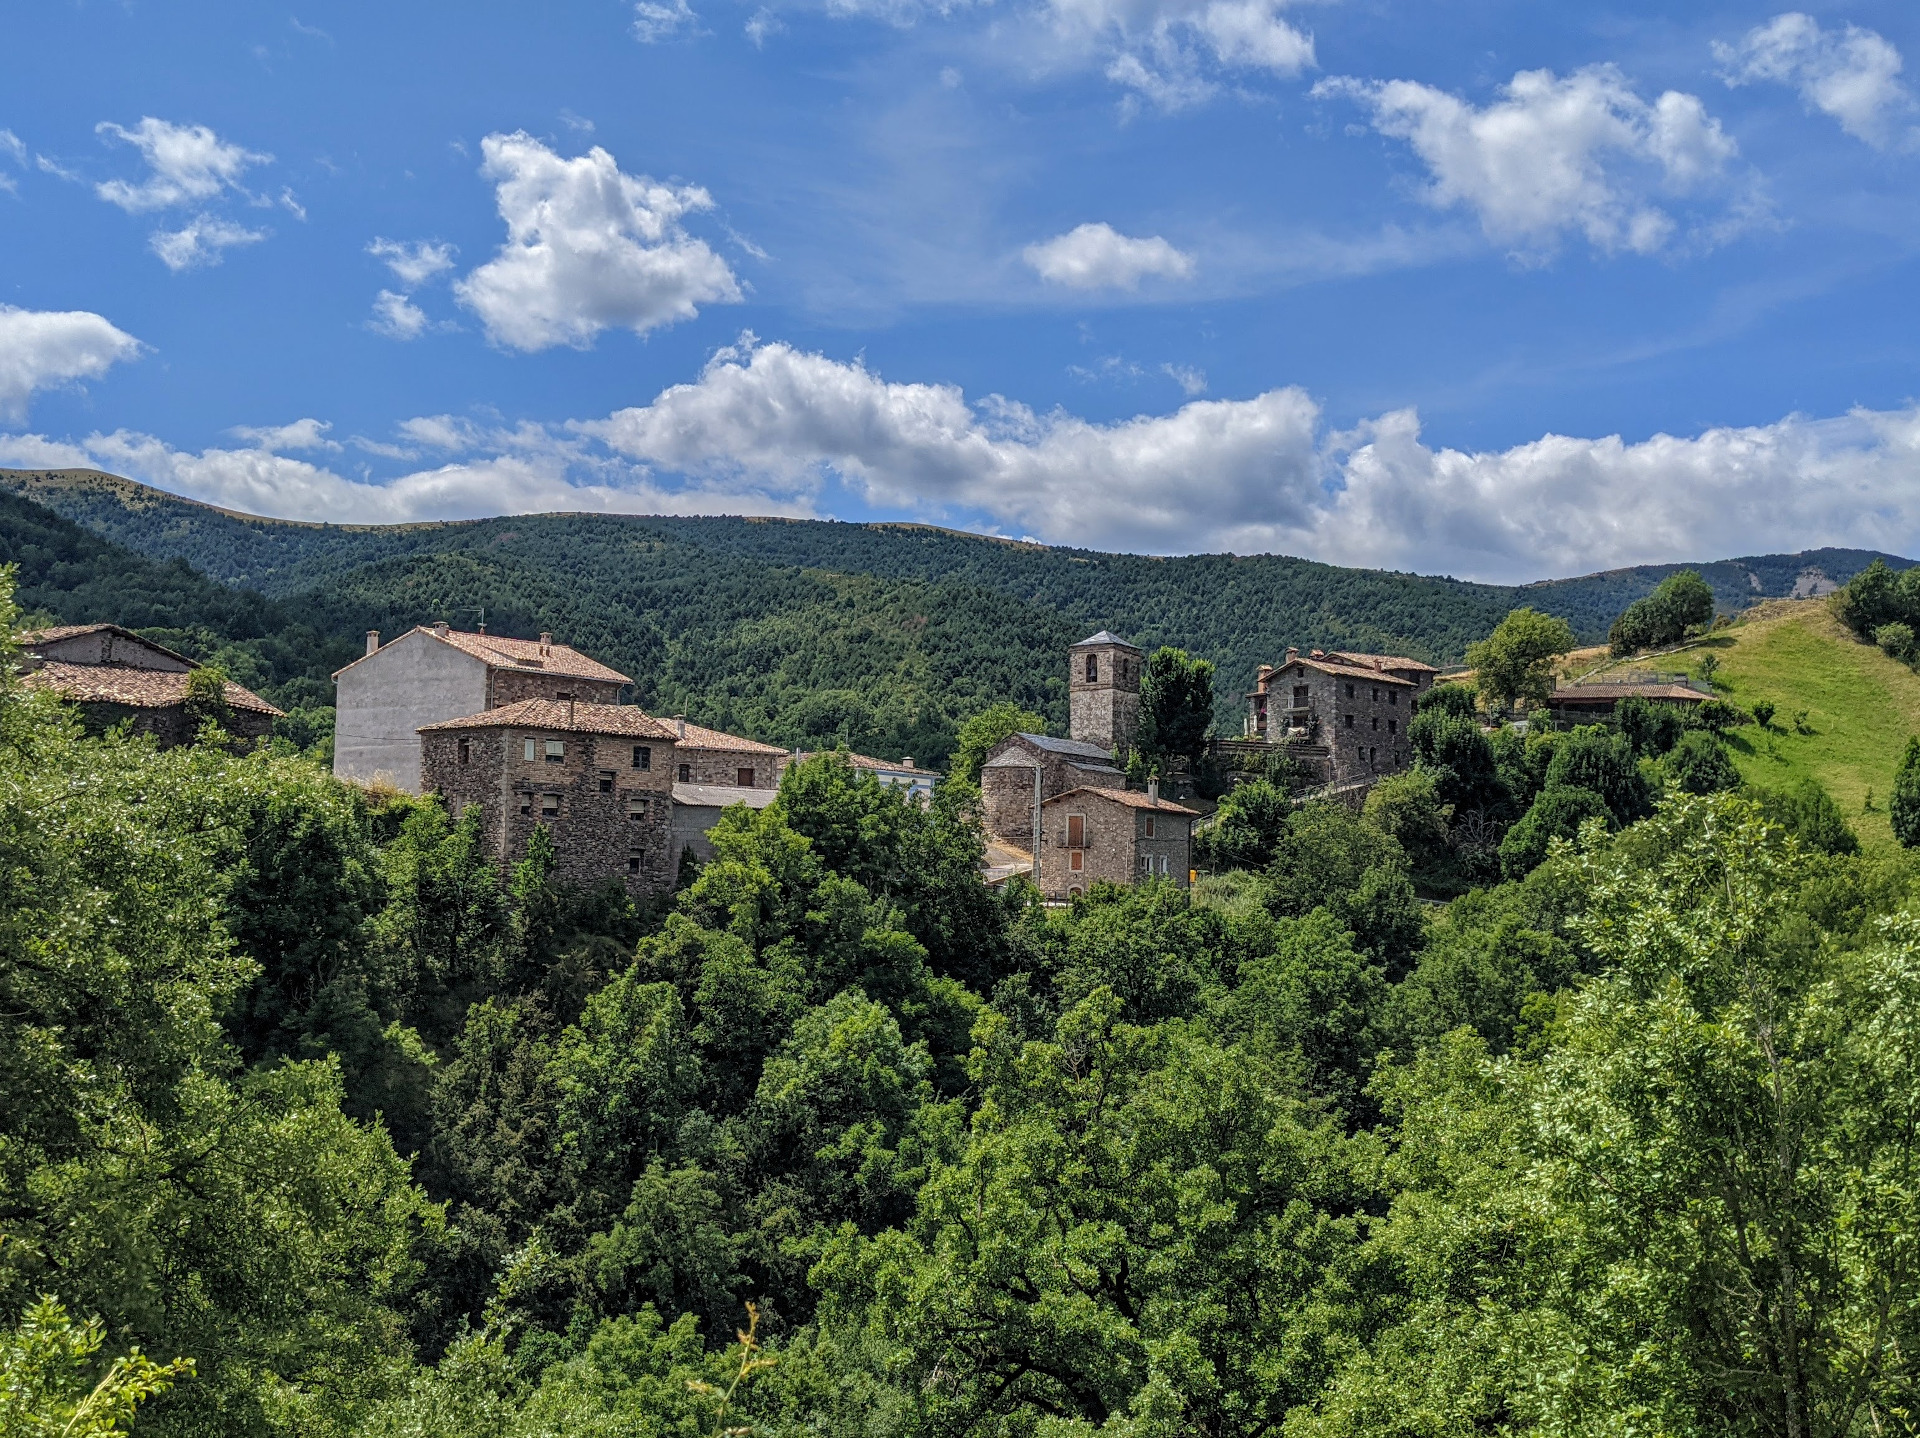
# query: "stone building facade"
{"points": [[710, 757], [1354, 706], [1007, 781], [113, 676], [434, 673], [598, 777], [1119, 836], [1103, 692]]}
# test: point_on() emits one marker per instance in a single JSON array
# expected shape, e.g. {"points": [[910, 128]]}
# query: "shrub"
{"points": [[1716, 716], [1763, 712], [1895, 640], [1460, 700], [1651, 728], [1809, 813], [1699, 765], [1903, 808], [1590, 758], [1557, 814]]}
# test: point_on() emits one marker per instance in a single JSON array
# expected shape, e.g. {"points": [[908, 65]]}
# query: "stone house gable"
{"points": [[1007, 781], [712, 757], [1117, 836]]}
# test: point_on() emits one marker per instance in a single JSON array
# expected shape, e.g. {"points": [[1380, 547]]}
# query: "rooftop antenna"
{"points": [[483, 619]]}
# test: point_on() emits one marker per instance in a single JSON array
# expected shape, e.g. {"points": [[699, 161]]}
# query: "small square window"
{"points": [[606, 781], [686, 773], [1349, 721], [466, 751], [556, 751], [1076, 859], [549, 806], [532, 750], [643, 756], [1146, 863], [633, 861], [636, 810], [743, 777]]}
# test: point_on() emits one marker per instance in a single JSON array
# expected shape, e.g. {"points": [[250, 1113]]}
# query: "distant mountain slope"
{"points": [[737, 620]]}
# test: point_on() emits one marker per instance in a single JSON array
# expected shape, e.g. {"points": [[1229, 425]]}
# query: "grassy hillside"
{"points": [[1860, 705]]}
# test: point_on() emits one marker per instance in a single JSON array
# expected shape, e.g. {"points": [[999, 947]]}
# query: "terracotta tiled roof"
{"points": [[1347, 671], [138, 688], [1131, 798], [623, 720], [504, 653], [697, 737], [497, 651], [1381, 661], [1608, 693]]}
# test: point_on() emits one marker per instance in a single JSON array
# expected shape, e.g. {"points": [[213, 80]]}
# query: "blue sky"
{"points": [[1494, 289]]}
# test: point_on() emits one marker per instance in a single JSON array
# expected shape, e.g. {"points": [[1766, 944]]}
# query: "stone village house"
{"points": [[112, 675], [1118, 835], [1353, 708]]}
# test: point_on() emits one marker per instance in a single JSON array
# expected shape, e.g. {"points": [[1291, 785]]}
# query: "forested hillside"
{"points": [[882, 636]]}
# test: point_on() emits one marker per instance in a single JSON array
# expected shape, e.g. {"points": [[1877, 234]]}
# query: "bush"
{"points": [[1903, 808], [1809, 813], [1557, 814], [1590, 758], [1716, 716], [1651, 728], [1699, 765], [1460, 700], [1895, 640], [1763, 712]]}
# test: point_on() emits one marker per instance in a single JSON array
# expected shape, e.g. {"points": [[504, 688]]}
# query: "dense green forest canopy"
{"points": [[296, 1086], [882, 636]]}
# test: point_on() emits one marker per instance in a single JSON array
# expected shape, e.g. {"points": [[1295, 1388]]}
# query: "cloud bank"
{"points": [[766, 427], [588, 248]]}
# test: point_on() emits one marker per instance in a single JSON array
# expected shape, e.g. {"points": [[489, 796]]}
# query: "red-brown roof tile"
{"points": [[1130, 798], [138, 688], [570, 717]]}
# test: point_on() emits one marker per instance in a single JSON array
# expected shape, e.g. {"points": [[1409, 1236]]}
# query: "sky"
{"points": [[1494, 289]]}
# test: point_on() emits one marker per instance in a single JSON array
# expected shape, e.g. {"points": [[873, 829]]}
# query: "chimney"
{"points": [[1265, 673], [679, 726], [441, 629], [546, 642], [373, 640], [1319, 654], [1153, 790], [906, 762], [1292, 653]]}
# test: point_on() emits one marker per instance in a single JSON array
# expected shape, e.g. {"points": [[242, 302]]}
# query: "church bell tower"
{"points": [[1103, 691]]}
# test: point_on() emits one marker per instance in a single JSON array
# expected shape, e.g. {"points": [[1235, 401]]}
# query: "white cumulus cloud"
{"points": [[654, 22], [1097, 256], [1581, 153], [203, 240], [1172, 52], [588, 248], [397, 317], [43, 348], [186, 164], [413, 262], [1850, 74]]}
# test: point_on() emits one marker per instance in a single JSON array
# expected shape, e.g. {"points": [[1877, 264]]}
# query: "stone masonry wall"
{"points": [[510, 686], [723, 766], [1363, 723], [608, 819], [1006, 794]]}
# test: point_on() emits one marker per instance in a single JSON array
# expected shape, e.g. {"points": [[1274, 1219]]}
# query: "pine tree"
{"points": [[1903, 806]]}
